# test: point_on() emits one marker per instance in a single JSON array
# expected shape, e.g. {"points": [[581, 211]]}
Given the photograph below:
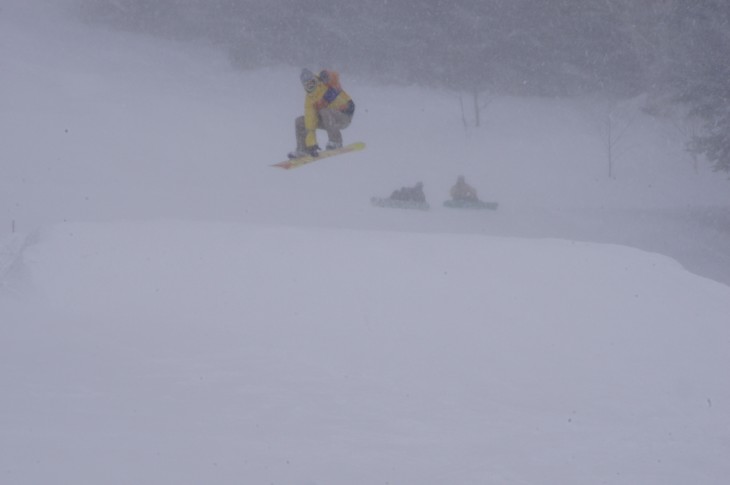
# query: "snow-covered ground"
{"points": [[176, 311]]}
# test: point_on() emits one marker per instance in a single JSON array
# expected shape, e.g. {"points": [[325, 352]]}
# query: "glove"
{"points": [[312, 151]]}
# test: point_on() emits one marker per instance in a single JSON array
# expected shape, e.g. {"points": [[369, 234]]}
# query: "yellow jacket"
{"points": [[330, 95]]}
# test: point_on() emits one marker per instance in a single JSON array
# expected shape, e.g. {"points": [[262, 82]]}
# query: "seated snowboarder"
{"points": [[463, 192], [464, 196], [411, 194], [326, 107]]}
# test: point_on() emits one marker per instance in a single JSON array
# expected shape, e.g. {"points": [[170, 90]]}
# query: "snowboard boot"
{"points": [[297, 154]]}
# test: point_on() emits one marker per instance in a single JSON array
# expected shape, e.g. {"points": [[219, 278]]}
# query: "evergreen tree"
{"points": [[701, 76]]}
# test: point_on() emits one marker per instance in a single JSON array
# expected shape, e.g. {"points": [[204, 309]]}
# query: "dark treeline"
{"points": [[676, 51]]}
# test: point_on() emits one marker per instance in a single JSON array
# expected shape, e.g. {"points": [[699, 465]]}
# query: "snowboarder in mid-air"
{"points": [[326, 107]]}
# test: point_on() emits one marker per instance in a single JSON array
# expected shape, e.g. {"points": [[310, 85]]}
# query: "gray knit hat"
{"points": [[306, 75]]}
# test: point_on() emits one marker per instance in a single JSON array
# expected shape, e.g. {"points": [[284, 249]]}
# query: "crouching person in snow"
{"points": [[463, 192], [404, 198], [410, 194], [326, 107]]}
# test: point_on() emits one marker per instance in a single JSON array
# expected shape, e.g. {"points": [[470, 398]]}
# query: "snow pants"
{"points": [[330, 120]]}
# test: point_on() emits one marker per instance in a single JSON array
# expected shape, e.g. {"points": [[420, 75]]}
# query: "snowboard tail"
{"points": [[298, 162]]}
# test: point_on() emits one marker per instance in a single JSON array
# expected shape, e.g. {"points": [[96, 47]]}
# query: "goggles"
{"points": [[310, 85]]}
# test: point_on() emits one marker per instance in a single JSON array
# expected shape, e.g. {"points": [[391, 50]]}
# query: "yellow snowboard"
{"points": [[297, 162]]}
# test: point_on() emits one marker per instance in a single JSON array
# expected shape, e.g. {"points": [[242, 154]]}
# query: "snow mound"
{"points": [[237, 353]]}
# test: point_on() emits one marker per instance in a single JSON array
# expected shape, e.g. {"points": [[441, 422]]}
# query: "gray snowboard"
{"points": [[398, 204], [468, 204]]}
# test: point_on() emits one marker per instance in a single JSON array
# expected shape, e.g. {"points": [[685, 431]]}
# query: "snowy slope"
{"points": [[215, 352], [175, 311]]}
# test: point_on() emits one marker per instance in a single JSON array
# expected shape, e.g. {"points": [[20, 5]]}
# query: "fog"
{"points": [[527, 46], [174, 310]]}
